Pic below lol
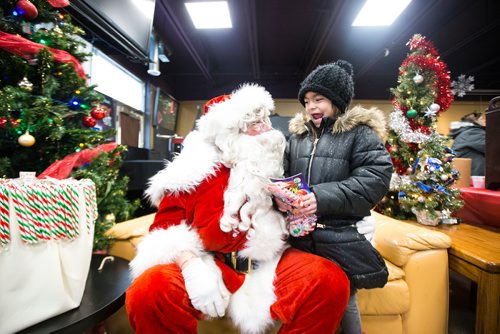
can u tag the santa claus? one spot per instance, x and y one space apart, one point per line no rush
217 246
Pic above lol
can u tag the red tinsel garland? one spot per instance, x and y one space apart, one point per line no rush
442 86
396 104
26 49
420 42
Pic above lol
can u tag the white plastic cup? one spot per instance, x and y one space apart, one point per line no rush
477 181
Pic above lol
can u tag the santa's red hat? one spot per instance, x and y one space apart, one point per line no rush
215 100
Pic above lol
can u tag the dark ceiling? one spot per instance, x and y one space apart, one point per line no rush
276 42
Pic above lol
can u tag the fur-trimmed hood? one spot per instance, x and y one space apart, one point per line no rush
373 117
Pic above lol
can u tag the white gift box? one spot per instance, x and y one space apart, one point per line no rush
46 237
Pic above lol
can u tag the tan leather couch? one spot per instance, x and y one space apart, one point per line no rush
414 301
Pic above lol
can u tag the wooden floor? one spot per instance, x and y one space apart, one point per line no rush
462 314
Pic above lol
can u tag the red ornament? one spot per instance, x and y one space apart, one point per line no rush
3 122
58 3
15 122
89 121
27 9
98 113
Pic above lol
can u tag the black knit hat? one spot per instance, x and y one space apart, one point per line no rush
333 81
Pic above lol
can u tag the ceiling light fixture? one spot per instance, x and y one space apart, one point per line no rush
154 62
380 12
209 14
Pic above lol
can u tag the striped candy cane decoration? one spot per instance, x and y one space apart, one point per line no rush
90 202
4 215
57 211
94 201
27 228
49 197
69 209
45 210
73 194
35 206
39 196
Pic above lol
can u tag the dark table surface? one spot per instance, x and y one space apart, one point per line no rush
104 294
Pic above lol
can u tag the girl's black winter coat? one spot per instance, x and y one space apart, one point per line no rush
348 168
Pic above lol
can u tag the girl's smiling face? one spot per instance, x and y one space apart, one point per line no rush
318 107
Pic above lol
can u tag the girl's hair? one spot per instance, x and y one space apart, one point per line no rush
472 117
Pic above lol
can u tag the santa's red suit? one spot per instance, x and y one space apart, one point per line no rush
212 203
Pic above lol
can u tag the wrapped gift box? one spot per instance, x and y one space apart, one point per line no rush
46 237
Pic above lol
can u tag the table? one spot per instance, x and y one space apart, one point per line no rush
481 206
475 254
104 294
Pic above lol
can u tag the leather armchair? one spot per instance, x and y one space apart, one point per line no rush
414 301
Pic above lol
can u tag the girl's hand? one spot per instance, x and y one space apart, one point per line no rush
309 205
282 206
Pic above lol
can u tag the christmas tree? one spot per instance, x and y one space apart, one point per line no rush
421 185
48 110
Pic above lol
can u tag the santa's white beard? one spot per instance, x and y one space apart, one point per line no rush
262 154
253 160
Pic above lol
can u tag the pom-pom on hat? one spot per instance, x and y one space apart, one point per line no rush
333 81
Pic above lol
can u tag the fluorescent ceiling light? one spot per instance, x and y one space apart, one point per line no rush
209 15
146 7
380 12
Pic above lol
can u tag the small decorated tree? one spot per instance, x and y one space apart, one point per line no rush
48 110
421 185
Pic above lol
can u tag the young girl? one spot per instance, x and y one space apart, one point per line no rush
342 156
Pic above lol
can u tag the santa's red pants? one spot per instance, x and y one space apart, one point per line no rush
311 292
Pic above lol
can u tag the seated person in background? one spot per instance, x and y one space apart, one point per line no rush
469 137
217 246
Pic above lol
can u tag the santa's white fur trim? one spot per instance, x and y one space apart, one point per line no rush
198 160
249 308
247 104
163 246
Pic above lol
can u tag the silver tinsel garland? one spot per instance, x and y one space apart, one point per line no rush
399 180
399 123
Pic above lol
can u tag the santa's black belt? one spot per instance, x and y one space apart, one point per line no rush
240 264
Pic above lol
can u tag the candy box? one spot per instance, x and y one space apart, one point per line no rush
290 190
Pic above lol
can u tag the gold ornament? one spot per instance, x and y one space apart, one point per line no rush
110 218
57 31
26 140
25 84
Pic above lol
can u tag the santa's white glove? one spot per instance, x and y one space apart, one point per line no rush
366 227
205 288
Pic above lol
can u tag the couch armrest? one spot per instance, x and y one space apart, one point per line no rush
128 234
133 228
397 241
